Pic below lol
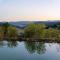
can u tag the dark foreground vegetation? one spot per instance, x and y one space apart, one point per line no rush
32 32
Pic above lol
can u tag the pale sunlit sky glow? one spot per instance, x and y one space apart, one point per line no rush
21 10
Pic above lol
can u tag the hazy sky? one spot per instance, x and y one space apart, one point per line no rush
14 10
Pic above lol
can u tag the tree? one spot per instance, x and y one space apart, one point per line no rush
34 30
12 32
5 27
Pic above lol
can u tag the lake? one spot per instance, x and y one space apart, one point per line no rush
15 50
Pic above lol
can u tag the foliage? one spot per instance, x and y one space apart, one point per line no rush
38 31
52 33
12 32
7 31
33 30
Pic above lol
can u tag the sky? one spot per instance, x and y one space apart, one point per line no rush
29 10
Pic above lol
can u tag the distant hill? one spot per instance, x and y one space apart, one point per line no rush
1 23
23 24
46 22
49 24
20 24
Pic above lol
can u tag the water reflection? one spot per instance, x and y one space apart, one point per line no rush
2 43
10 44
33 47
58 47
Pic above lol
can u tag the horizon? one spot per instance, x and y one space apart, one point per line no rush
34 21
29 10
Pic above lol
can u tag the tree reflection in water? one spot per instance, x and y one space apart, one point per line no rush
33 47
10 44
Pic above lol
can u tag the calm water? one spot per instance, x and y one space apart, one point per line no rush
14 50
